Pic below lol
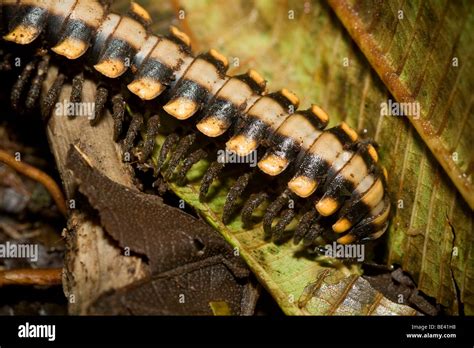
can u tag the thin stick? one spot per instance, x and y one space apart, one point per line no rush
37 175
27 276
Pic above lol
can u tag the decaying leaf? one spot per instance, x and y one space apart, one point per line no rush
399 287
185 254
194 289
346 295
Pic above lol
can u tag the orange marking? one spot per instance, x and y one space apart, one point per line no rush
22 34
291 97
320 113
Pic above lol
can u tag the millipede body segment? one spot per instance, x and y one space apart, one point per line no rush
333 176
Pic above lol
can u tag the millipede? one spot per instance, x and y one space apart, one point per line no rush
327 181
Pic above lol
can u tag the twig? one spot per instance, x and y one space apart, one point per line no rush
37 175
27 276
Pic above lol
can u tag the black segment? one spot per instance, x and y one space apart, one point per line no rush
156 71
30 17
190 90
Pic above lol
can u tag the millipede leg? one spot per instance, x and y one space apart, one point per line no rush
100 100
170 141
118 115
160 185
52 97
36 84
252 203
286 217
235 192
76 92
304 225
152 127
314 232
132 132
20 84
5 64
181 150
192 159
273 210
211 174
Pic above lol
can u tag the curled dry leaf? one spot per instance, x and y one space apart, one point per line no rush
185 254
